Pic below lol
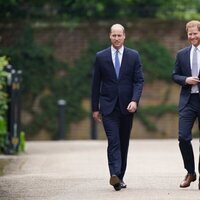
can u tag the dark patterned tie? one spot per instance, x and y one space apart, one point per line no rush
195 71
117 63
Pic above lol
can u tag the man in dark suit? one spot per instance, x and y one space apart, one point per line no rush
116 90
186 74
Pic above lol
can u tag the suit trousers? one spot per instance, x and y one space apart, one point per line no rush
187 117
117 127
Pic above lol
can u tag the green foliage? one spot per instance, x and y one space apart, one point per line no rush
83 70
182 9
3 100
156 59
35 61
154 111
22 143
2 127
3 95
40 75
159 110
46 80
99 9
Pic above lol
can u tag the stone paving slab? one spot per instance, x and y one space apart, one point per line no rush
66 170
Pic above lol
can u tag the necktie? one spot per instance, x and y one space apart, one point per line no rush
195 71
117 64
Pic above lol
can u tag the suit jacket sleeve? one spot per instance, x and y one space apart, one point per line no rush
178 76
96 84
138 80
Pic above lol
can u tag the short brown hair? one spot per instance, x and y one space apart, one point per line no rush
193 23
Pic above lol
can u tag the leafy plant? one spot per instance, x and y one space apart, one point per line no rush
3 95
3 100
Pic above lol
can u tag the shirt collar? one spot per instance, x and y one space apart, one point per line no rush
198 47
121 50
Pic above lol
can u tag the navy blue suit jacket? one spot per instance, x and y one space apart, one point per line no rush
107 89
181 72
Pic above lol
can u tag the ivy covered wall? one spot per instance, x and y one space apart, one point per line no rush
56 63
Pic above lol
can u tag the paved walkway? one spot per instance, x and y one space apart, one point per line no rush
77 170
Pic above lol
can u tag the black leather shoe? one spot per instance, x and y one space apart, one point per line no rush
123 185
115 182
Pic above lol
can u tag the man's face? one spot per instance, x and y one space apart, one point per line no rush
193 36
117 37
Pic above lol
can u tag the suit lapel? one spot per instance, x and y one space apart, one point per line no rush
111 64
187 60
123 64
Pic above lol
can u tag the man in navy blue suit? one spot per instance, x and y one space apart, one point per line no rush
186 74
116 89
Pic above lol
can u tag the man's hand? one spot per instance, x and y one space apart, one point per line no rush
192 80
132 106
97 116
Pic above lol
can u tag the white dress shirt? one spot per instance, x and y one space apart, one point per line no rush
198 56
198 64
